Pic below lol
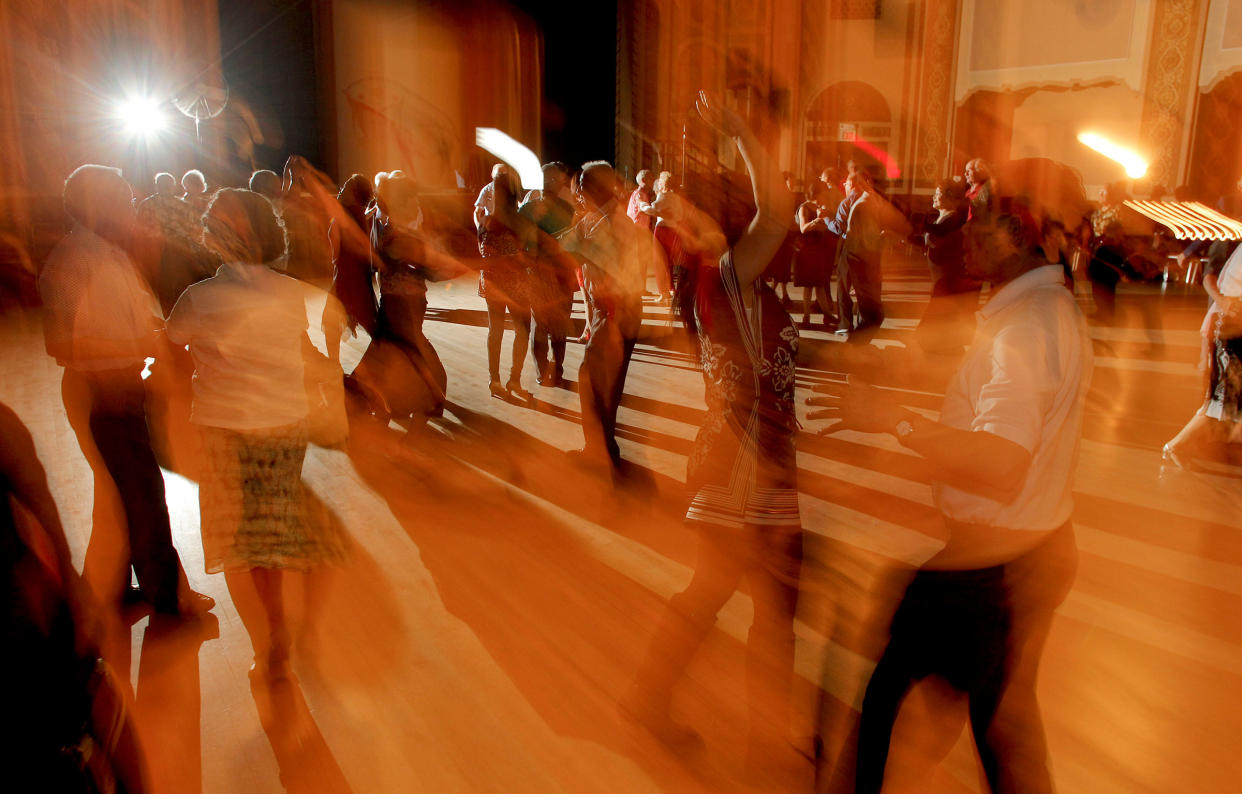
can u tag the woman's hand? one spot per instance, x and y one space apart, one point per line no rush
712 110
861 407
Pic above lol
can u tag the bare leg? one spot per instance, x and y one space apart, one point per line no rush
687 619
1195 440
521 340
260 603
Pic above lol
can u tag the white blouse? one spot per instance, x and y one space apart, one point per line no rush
245 327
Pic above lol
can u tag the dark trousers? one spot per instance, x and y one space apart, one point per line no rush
601 378
108 414
1104 293
551 327
862 274
982 631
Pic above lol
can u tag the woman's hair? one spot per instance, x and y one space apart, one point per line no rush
354 197
242 226
664 182
1115 193
953 190
981 168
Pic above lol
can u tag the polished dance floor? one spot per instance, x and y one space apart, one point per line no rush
497 599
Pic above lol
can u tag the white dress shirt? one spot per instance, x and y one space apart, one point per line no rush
1024 379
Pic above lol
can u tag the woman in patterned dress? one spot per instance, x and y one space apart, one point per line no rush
246 330
505 237
742 474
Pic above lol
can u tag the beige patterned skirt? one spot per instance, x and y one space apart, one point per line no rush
253 506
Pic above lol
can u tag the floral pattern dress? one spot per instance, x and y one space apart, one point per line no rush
743 468
505 275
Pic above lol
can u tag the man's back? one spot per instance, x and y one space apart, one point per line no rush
93 295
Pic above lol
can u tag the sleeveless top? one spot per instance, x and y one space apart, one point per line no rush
743 468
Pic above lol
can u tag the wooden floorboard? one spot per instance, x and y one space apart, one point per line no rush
496 599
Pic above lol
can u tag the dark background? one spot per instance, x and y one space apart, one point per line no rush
269 61
580 77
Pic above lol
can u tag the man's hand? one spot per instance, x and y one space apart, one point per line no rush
861 407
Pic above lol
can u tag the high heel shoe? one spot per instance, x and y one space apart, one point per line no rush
515 388
498 391
1168 454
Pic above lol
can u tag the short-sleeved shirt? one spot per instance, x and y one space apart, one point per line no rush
91 291
245 327
613 246
743 467
1024 379
634 209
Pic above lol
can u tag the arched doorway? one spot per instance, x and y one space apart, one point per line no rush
849 120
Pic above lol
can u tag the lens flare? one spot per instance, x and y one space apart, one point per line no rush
1136 167
523 160
141 117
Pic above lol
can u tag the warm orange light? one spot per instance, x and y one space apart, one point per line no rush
522 159
1135 166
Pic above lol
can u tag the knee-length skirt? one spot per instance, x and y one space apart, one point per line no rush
253 506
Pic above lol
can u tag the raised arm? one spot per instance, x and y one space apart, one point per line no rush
773 204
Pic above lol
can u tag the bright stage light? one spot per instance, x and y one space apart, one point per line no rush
523 160
141 117
1136 167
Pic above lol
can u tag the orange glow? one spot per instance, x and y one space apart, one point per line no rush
1136 166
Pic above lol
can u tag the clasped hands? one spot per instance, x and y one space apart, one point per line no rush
860 407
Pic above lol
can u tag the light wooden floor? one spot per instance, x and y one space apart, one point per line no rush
497 600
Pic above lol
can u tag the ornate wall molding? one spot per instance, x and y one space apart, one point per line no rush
1167 88
1222 43
935 92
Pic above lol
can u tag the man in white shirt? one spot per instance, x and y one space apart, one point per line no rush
613 249
1004 453
101 321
